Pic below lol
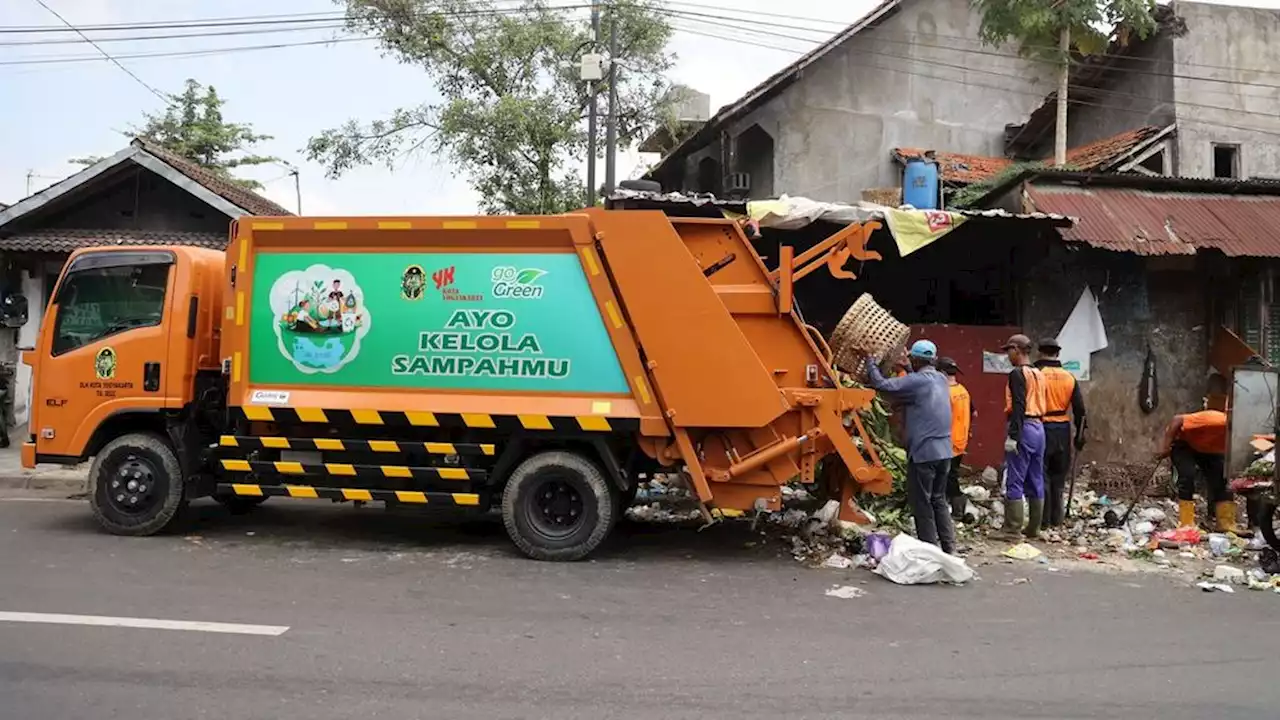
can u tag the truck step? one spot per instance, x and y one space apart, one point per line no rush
357 494
281 467
474 421
338 445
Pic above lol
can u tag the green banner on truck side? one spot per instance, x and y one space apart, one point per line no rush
473 321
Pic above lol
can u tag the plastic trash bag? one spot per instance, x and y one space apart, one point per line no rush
911 562
877 545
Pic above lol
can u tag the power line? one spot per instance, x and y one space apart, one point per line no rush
1030 93
184 53
988 53
139 38
164 98
995 73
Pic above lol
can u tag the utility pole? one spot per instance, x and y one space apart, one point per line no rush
591 116
297 189
611 133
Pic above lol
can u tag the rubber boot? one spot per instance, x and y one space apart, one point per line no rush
1225 512
958 505
1186 513
1035 513
1013 518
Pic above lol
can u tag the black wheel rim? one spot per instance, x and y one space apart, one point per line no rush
556 508
133 487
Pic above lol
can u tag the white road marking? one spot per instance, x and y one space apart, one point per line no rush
144 623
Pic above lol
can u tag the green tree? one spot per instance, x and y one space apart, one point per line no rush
1048 30
193 127
511 108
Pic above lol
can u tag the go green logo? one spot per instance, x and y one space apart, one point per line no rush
508 282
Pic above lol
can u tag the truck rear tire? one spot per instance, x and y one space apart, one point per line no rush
558 506
239 504
137 485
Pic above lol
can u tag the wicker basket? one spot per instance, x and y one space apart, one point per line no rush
866 330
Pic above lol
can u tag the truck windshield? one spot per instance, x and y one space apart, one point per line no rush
99 302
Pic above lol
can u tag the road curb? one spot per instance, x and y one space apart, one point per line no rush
36 481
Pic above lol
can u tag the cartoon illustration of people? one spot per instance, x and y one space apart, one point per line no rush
302 320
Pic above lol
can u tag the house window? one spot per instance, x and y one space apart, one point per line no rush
1155 163
1226 161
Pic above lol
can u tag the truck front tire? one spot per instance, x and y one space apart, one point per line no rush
137 485
558 506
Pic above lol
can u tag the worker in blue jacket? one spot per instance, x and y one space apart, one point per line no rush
925 399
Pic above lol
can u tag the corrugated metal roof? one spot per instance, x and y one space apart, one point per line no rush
1148 222
66 240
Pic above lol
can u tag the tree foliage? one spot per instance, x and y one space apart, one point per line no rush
1036 25
193 127
511 112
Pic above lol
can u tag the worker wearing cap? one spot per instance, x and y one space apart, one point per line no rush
962 414
1024 403
926 403
1065 402
1197 444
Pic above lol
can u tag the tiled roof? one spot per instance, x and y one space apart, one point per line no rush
957 168
64 241
1099 155
1150 222
250 201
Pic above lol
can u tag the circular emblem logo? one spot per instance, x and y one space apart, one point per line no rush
320 317
413 283
104 364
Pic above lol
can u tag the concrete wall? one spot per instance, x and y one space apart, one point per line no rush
1161 301
1222 43
907 83
1140 93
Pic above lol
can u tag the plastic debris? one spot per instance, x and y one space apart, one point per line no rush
1153 515
837 562
1181 535
1144 528
1211 587
1023 551
846 592
911 562
977 493
1090 556
1219 544
1226 573
878 545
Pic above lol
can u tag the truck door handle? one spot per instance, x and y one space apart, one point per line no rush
151 377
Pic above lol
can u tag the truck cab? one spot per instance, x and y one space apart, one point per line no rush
126 335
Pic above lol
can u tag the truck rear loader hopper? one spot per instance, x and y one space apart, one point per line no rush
536 363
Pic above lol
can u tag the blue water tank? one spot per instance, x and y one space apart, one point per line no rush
920 186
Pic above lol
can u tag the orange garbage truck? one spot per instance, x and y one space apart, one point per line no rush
535 365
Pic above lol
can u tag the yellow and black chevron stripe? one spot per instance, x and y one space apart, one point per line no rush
342 445
308 491
281 467
474 421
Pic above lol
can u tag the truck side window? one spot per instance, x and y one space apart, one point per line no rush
100 302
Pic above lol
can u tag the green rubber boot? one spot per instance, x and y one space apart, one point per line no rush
1035 513
1013 518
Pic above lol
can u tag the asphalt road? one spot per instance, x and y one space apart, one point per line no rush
419 617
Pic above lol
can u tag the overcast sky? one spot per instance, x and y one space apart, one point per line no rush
53 112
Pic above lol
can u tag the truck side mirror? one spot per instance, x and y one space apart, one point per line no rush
13 311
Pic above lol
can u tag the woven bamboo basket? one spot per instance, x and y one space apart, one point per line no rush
866 330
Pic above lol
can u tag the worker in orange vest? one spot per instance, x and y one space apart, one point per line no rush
1024 404
962 415
1197 444
1066 402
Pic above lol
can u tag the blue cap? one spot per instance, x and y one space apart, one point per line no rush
924 349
